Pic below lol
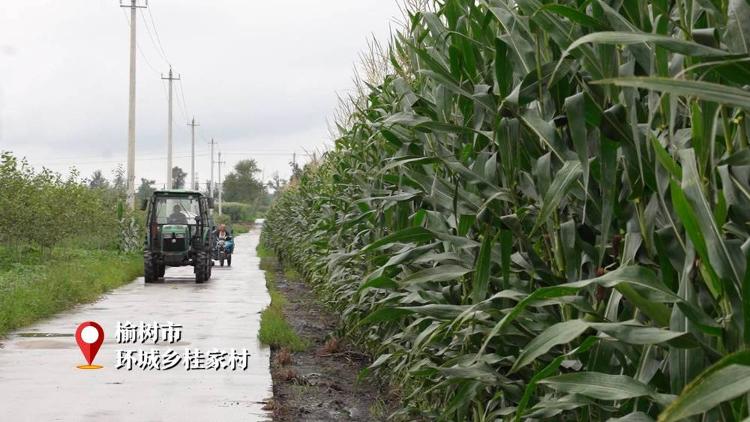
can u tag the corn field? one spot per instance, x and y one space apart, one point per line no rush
540 211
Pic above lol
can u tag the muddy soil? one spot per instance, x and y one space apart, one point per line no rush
320 384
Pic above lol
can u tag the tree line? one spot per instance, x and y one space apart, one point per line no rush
44 209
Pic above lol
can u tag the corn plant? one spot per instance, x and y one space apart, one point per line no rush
541 212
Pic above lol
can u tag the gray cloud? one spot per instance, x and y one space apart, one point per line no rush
261 77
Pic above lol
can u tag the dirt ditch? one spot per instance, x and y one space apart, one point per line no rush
320 383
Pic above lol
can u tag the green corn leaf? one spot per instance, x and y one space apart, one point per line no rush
436 274
482 269
722 258
563 181
560 333
575 15
707 91
602 386
633 417
411 234
725 380
576 112
676 45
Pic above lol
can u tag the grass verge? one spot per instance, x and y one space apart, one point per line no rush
275 331
241 228
33 290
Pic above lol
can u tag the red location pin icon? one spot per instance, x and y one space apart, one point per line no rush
89 336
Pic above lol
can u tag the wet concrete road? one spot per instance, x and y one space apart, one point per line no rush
39 380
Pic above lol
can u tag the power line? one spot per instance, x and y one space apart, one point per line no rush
153 42
138 45
205 153
268 153
181 94
156 32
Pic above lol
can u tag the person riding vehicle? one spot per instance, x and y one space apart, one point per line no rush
223 245
221 232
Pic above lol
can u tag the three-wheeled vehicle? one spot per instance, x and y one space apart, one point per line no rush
178 233
223 250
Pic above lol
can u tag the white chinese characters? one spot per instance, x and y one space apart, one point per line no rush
164 359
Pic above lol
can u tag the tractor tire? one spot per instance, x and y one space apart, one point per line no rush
201 267
162 270
229 260
150 272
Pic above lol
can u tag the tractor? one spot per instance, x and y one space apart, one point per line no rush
178 233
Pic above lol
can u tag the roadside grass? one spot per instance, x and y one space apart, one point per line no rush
240 228
379 410
274 330
291 274
33 288
265 253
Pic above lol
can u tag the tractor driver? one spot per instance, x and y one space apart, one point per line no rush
177 217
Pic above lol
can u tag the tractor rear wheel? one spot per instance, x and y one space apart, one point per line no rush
150 273
162 270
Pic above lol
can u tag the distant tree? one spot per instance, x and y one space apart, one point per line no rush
178 178
98 181
276 183
119 183
241 185
296 170
146 188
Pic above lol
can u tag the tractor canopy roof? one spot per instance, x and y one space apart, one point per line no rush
178 192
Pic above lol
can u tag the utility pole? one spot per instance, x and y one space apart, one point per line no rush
221 186
211 178
192 154
131 105
170 78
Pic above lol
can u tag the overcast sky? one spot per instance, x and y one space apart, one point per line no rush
261 77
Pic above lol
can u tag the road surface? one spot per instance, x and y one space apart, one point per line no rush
40 381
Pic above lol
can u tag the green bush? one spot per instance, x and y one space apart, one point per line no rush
43 209
541 212
238 212
61 242
222 219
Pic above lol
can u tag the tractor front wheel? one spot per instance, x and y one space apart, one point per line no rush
202 267
150 270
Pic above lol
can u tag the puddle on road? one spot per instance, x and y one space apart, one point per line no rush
45 344
44 335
